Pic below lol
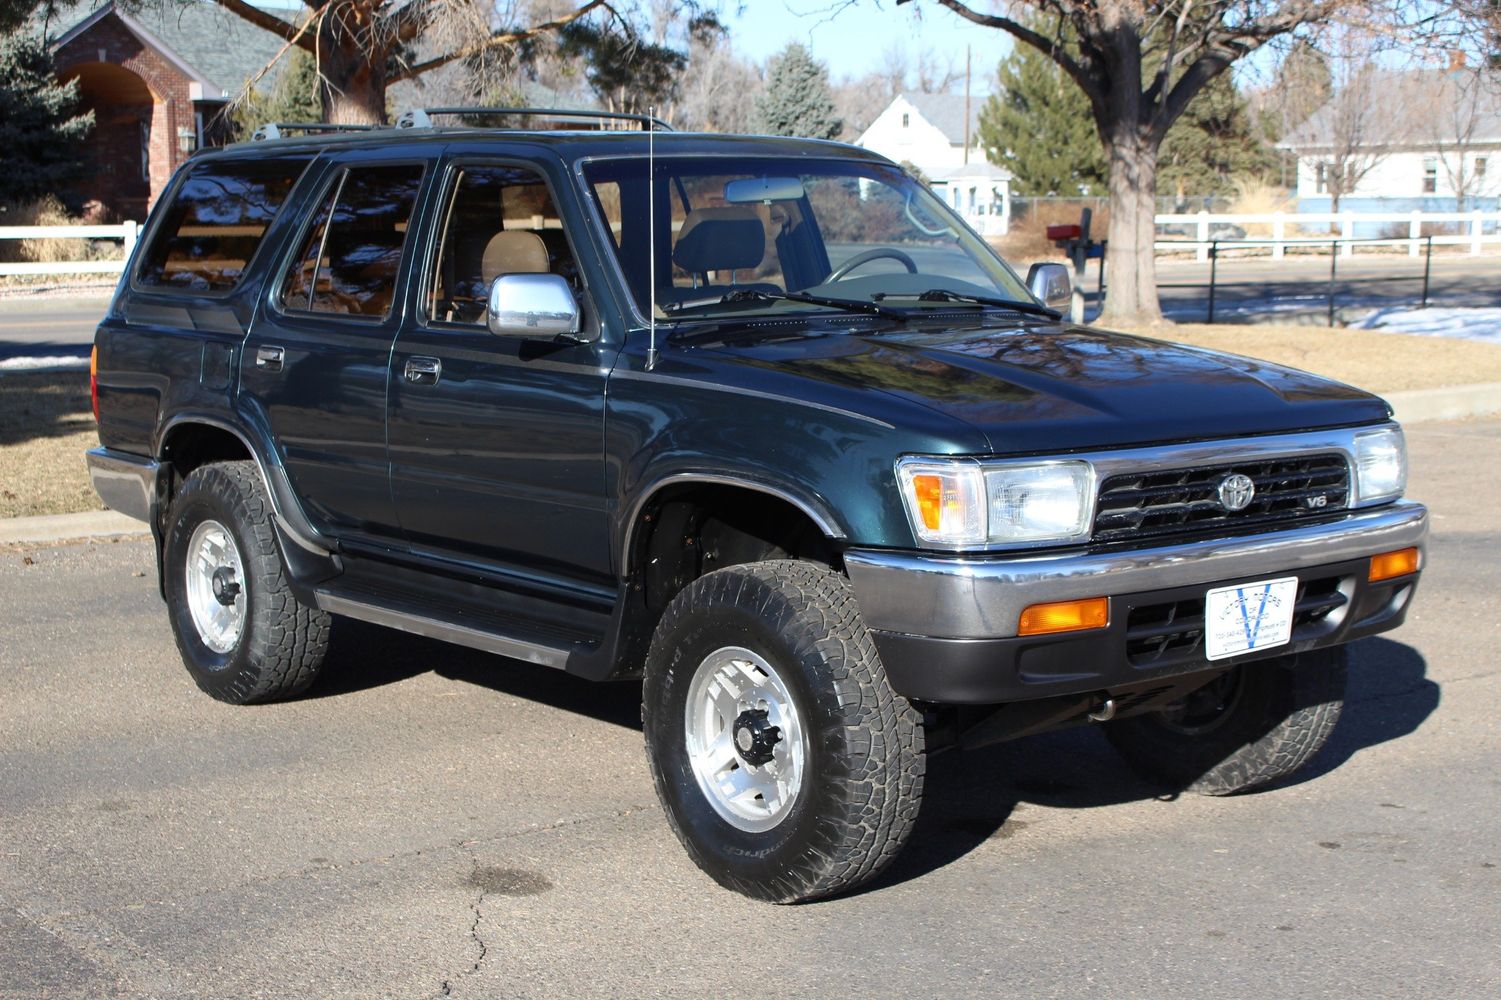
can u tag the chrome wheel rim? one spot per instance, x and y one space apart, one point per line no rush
215 586
750 776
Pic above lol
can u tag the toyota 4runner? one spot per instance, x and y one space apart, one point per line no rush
759 421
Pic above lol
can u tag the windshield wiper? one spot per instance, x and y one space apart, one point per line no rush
944 295
757 295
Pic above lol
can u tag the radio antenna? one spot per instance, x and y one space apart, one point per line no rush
651 236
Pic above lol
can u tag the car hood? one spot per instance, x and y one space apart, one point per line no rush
1054 387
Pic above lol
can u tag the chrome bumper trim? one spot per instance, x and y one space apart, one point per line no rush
126 483
981 598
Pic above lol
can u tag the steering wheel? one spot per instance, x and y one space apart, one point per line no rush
865 258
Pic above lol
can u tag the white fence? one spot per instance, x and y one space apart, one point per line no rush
1288 230
1296 229
126 232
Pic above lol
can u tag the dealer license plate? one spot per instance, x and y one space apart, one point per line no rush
1248 617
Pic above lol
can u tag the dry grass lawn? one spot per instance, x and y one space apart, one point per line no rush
45 424
45 427
1380 362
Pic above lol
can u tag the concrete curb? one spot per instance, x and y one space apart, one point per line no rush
67 527
1416 406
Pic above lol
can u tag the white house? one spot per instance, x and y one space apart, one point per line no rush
1428 140
930 132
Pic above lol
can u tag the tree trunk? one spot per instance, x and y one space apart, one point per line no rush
1131 260
353 92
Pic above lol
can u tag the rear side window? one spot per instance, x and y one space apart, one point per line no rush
215 223
349 260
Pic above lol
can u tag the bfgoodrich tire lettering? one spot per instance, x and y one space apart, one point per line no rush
1275 717
279 644
862 769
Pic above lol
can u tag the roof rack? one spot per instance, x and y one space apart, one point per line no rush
423 117
279 130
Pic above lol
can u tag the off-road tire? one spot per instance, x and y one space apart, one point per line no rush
1281 717
864 759
282 643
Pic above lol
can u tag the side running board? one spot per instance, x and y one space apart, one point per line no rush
433 628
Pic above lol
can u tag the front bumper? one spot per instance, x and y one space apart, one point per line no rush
125 482
946 627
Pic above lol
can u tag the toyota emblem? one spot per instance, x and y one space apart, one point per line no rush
1236 491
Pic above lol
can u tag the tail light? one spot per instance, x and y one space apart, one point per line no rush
94 381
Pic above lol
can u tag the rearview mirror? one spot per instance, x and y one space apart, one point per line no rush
532 305
754 190
1049 284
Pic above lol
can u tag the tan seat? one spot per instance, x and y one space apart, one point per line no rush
514 252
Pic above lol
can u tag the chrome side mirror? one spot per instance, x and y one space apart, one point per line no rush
1049 284
532 305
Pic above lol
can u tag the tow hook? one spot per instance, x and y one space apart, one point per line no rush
1105 712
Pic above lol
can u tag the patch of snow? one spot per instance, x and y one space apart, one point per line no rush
62 362
1468 324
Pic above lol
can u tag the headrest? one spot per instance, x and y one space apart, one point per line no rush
720 239
514 252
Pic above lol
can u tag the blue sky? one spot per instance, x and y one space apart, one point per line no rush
852 38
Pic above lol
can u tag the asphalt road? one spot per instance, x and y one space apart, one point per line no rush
431 820
62 327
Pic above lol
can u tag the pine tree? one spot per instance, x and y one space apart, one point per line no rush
1213 143
797 99
1039 127
41 131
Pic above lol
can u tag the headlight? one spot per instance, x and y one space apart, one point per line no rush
959 503
1380 466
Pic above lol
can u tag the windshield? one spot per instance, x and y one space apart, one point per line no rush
832 229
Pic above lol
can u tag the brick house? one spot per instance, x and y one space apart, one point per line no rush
157 82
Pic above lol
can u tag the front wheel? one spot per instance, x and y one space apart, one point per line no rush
785 763
1248 727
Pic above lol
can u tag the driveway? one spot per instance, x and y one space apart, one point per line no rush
432 821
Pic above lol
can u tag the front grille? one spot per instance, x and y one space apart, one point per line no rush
1159 634
1150 505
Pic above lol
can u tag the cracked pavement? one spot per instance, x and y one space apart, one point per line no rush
435 822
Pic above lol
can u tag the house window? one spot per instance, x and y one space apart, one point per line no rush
1430 174
1321 178
906 119
1479 168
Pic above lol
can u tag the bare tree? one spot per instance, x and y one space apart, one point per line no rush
717 91
1355 132
361 47
1140 63
1460 105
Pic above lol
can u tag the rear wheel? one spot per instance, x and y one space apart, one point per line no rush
785 763
1248 727
243 635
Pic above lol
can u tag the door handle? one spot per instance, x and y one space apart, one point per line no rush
424 371
269 359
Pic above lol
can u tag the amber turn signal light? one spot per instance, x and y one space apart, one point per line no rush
1390 564
1064 616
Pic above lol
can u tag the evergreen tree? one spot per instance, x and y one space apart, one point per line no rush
1040 128
41 132
1211 144
797 99
292 98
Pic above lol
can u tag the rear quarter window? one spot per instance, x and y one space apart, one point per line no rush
216 222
